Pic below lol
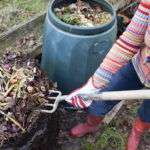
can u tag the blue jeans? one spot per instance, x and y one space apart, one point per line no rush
125 79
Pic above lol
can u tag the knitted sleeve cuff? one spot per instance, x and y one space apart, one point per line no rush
101 78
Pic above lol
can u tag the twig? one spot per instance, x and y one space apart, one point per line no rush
5 72
8 91
14 121
128 6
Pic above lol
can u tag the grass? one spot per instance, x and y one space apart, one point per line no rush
133 111
111 137
33 6
13 12
136 105
115 135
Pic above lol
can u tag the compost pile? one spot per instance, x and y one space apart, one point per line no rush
24 88
82 14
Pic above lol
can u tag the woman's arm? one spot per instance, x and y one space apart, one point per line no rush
122 51
125 47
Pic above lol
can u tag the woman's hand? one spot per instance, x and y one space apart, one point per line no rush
75 98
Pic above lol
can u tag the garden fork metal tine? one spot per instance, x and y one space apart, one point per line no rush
56 99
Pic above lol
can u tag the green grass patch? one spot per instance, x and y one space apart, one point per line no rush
134 110
14 12
135 105
111 137
33 6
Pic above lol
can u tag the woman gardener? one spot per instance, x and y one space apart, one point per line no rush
126 67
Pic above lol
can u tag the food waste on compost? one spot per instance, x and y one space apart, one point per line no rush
82 14
24 88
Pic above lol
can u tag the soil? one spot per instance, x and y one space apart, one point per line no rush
42 136
123 121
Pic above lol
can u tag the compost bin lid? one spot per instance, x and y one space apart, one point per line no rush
82 30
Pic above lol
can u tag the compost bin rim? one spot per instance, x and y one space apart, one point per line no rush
82 30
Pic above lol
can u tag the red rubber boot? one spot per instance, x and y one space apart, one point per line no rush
92 125
136 133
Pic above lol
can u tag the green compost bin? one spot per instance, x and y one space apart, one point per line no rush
71 54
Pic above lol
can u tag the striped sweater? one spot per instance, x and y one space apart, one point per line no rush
133 44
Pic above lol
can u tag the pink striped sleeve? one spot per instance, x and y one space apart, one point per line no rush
125 47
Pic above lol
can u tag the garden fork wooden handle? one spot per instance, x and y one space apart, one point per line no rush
120 95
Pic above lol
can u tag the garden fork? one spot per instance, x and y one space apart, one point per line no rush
57 99
114 95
